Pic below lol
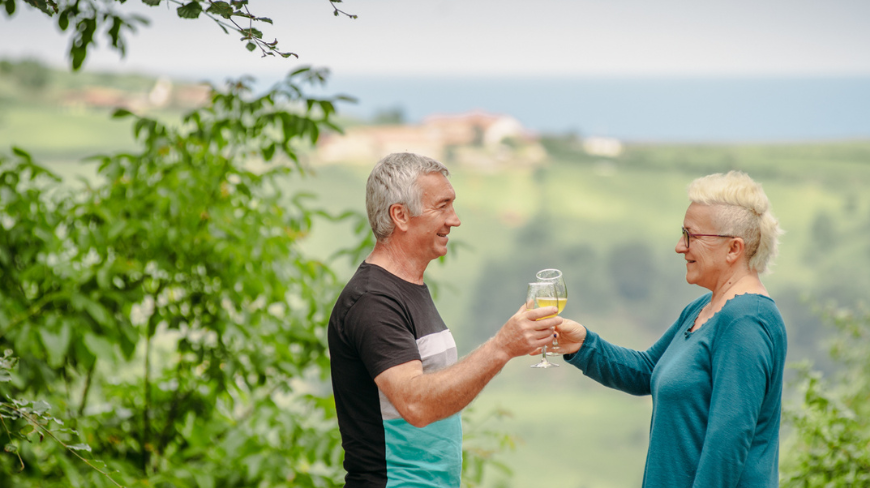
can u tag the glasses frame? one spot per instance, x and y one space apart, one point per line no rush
687 235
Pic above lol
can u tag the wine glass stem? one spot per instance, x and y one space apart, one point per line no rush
544 353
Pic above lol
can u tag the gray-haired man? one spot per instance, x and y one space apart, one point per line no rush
397 382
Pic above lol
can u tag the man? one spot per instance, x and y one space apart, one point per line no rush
398 386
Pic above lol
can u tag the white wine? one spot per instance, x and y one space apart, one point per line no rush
551 302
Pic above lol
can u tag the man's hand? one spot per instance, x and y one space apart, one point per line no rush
524 333
571 336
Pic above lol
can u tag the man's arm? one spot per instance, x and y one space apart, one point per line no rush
423 398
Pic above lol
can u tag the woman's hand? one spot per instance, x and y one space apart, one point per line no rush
571 336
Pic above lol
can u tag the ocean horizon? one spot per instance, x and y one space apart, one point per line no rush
636 109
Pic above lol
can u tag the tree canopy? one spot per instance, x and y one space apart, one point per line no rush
85 20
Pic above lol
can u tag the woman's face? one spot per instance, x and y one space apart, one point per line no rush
705 256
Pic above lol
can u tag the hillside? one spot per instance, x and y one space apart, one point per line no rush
609 222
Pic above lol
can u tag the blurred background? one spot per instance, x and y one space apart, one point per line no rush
571 130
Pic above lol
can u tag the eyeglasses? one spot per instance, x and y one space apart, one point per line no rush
687 235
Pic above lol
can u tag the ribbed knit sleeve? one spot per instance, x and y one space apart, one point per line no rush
618 367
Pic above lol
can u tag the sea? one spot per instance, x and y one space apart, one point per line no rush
632 109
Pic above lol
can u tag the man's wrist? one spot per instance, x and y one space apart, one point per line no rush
495 351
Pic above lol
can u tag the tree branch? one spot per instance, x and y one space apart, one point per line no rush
9 434
338 11
87 388
41 427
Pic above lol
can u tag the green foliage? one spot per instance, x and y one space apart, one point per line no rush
24 419
482 445
92 17
830 442
168 309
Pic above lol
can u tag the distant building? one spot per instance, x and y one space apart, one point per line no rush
476 139
602 146
162 95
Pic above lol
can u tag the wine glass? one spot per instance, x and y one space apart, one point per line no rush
559 300
541 294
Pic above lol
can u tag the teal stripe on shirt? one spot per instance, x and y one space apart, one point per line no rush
430 456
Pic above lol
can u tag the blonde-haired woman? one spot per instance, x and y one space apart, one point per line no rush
715 376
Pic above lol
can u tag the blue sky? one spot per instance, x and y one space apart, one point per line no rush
495 38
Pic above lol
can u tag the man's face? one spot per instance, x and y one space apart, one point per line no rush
428 231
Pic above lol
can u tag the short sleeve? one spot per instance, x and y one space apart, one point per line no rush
380 330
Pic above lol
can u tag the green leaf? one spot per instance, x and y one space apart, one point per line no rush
98 312
152 3
27 429
269 151
250 46
47 6
56 344
78 54
63 20
10 7
223 9
21 153
203 479
12 448
190 10
99 346
79 447
121 113
40 407
252 33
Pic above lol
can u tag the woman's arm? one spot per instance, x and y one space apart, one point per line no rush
743 363
613 366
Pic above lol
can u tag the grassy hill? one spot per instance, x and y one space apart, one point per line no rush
610 224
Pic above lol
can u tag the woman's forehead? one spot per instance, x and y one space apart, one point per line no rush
698 216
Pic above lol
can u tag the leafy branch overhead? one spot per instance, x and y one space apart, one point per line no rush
89 18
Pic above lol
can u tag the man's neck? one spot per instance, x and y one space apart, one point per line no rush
398 262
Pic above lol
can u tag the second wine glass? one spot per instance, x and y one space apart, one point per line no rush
559 298
540 294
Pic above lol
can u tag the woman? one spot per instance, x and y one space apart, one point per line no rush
715 376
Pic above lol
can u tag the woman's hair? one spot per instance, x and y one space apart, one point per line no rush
394 180
743 210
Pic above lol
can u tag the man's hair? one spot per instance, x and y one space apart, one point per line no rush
742 210
394 180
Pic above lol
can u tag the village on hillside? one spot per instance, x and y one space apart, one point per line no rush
475 139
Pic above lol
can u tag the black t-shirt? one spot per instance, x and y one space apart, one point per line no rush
380 321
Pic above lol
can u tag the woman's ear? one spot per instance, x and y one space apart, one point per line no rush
736 250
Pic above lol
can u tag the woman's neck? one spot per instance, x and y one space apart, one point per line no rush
745 281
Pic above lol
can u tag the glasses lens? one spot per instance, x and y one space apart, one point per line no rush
686 237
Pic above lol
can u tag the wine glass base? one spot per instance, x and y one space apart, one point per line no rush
544 364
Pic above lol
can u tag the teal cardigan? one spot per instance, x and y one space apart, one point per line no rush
716 394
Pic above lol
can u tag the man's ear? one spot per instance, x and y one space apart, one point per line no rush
736 249
400 216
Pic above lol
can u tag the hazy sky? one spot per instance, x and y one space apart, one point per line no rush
494 37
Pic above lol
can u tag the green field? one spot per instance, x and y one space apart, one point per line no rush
610 225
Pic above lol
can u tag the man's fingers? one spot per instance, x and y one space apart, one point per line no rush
550 323
539 313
